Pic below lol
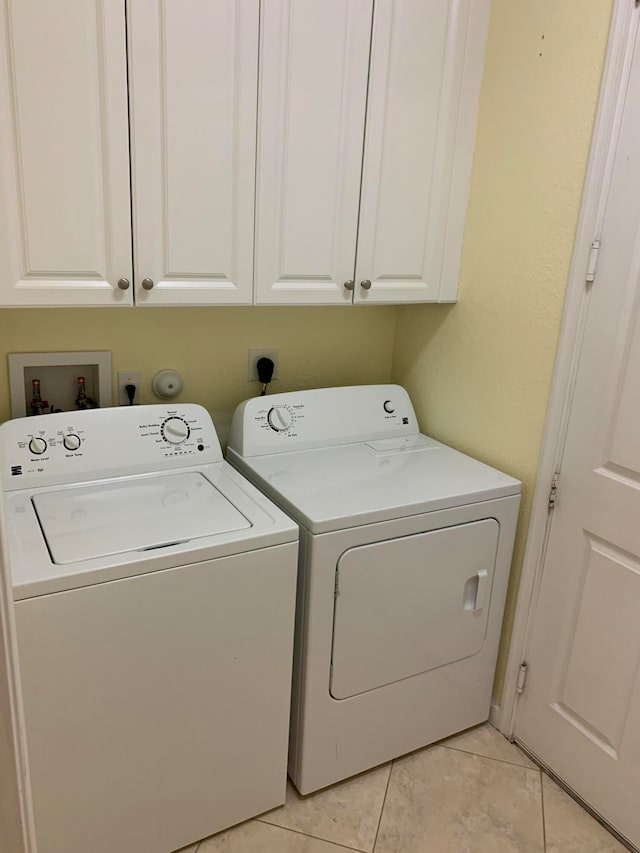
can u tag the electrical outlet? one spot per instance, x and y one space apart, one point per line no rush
128 377
255 355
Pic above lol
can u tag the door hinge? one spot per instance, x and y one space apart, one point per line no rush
553 491
522 677
593 260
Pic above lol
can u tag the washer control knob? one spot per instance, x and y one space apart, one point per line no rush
388 407
71 441
175 430
37 446
279 418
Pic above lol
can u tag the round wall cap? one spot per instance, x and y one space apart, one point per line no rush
167 384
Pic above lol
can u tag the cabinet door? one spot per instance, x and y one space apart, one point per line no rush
313 82
193 83
65 233
426 69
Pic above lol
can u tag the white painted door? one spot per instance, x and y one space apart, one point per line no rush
193 83
65 234
314 59
580 712
426 68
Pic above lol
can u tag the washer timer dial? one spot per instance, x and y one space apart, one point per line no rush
175 430
279 418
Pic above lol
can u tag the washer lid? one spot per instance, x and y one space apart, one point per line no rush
138 514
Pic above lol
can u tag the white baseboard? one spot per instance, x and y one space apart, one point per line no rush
495 715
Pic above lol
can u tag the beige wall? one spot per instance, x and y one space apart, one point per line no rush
318 346
479 372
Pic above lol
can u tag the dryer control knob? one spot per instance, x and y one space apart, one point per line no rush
71 441
279 418
37 446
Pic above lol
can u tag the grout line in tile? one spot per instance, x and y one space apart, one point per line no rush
308 835
544 822
384 802
488 757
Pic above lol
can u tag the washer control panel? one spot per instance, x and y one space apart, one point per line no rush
76 446
306 419
175 430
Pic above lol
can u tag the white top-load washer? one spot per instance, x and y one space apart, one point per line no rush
405 547
153 615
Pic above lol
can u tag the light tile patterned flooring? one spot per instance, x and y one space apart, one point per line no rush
474 793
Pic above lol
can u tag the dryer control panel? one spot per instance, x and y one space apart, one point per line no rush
77 446
305 419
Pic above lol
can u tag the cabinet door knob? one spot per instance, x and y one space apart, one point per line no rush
365 284
123 283
350 284
147 283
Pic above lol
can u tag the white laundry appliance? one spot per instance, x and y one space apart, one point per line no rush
153 618
405 548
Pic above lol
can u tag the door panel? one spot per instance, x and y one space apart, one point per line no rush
65 236
592 691
193 81
313 89
426 68
409 605
580 712
624 450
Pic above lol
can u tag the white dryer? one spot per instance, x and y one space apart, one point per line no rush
405 548
154 600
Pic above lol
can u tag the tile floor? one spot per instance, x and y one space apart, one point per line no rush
473 793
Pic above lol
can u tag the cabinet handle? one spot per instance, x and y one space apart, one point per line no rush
350 284
123 283
366 284
147 283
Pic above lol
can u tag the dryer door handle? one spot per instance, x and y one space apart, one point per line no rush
475 592
481 590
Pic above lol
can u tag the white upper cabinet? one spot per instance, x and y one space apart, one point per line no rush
424 85
314 63
193 85
65 236
408 172
280 152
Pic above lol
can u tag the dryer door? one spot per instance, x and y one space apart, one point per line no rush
408 605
